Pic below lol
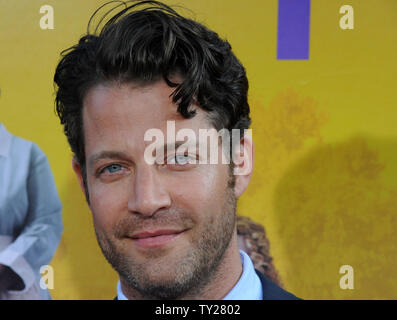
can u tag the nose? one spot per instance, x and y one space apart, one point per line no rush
149 194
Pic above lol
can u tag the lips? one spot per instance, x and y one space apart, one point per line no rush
152 239
156 233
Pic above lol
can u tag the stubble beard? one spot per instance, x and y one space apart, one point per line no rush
192 272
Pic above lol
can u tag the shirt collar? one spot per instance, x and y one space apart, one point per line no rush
5 141
248 287
120 294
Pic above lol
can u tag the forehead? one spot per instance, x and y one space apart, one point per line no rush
118 115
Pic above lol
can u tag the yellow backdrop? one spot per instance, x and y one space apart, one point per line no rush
325 133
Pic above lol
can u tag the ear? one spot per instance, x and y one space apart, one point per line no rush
243 158
78 171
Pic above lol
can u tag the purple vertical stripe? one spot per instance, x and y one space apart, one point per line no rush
293 29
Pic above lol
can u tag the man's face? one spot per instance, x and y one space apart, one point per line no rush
163 227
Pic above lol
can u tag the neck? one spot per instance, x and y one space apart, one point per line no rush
222 282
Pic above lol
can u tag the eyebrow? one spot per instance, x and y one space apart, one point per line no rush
107 155
177 144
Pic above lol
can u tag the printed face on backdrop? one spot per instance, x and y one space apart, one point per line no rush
163 227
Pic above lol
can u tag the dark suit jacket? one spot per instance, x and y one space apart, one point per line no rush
271 291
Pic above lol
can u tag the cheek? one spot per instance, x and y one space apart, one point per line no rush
203 192
107 203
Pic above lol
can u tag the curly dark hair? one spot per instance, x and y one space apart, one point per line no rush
144 42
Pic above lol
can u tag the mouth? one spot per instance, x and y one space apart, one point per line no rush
154 239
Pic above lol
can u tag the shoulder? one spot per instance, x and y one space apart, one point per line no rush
16 143
272 291
12 145
20 147
26 156
17 147
26 148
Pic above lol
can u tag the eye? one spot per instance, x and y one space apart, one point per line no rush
113 168
181 159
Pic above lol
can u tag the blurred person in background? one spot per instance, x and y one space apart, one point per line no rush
30 218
